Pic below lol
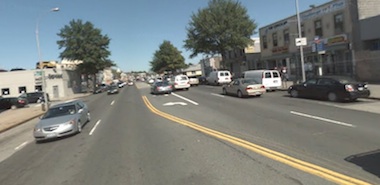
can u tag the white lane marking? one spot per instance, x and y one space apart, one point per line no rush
22 145
322 119
93 129
174 103
112 102
191 101
217 95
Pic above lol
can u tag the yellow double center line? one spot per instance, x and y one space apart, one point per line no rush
296 163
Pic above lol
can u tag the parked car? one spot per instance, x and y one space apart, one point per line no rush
61 120
130 83
98 90
13 102
161 88
35 97
332 88
219 77
244 87
271 79
113 89
180 82
194 81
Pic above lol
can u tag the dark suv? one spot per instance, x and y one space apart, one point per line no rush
35 97
13 102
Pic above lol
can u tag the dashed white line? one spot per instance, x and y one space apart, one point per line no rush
322 119
186 99
93 129
217 95
112 102
22 145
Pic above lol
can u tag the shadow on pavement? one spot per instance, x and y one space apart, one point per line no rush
369 161
342 102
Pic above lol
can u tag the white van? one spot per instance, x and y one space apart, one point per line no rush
271 79
219 77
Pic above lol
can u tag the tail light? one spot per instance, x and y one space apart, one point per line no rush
21 101
248 88
175 83
349 88
262 87
158 88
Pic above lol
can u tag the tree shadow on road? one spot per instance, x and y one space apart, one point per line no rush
368 161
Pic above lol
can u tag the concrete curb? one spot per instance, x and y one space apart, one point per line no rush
20 123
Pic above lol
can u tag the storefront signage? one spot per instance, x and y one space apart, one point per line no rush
283 49
320 11
276 26
55 76
339 39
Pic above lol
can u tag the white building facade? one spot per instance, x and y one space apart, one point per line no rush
60 83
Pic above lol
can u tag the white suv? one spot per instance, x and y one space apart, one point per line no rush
181 82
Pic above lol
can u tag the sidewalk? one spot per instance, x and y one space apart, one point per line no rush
374 88
12 118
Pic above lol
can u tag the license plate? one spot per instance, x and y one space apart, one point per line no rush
361 88
275 81
51 135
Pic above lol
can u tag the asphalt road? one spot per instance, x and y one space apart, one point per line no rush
138 138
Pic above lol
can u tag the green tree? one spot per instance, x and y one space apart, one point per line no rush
222 26
167 58
82 41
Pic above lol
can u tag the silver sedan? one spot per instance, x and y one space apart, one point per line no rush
244 87
61 120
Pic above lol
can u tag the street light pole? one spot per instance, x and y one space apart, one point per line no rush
45 105
301 47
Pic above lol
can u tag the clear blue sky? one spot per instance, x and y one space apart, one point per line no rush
136 27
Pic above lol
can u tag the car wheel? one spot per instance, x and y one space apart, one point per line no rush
332 97
88 117
79 125
239 94
187 89
13 107
224 91
294 93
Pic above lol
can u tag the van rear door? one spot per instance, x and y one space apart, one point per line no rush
272 80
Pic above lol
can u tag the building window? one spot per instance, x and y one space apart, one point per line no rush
265 44
274 37
338 23
5 91
22 89
38 88
286 37
303 30
318 28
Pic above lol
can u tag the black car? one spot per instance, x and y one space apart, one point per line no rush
13 102
35 97
332 88
113 89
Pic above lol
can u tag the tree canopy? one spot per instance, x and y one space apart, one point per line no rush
167 58
82 41
222 26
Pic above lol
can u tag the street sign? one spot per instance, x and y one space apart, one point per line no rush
301 41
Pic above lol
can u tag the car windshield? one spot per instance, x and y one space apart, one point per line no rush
345 80
60 111
164 83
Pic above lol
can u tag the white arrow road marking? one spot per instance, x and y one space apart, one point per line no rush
93 129
22 145
322 119
191 101
112 102
217 95
174 103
